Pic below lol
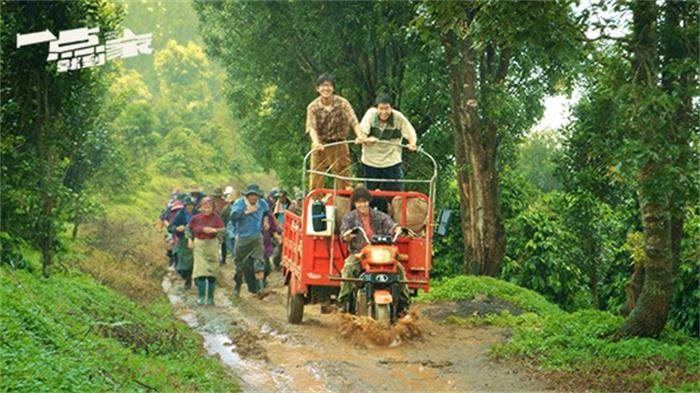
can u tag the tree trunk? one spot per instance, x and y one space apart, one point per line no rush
633 288
649 315
76 223
487 234
477 179
593 285
46 158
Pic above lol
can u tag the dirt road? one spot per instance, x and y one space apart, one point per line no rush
252 336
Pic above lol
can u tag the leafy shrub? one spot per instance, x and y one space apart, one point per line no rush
448 250
540 255
466 287
10 252
685 306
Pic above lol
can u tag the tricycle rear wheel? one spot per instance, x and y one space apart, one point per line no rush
361 303
295 306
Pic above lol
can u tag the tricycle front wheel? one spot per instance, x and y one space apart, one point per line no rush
382 314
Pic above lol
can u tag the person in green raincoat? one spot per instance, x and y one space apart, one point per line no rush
177 228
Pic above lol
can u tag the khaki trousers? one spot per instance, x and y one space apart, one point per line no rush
334 159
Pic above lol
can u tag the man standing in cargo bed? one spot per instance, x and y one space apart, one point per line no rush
327 120
384 128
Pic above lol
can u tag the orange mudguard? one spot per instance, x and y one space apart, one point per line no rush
382 296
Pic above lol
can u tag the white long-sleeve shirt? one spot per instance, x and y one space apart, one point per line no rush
380 155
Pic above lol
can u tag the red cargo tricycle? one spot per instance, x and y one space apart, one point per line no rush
313 255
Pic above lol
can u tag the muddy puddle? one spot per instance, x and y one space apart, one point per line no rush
215 331
338 352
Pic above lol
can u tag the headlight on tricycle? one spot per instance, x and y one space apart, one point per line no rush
381 255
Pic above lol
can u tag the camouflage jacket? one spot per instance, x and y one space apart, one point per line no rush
380 223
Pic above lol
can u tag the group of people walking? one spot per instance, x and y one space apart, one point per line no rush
203 230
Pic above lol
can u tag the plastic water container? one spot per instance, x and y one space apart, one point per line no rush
319 219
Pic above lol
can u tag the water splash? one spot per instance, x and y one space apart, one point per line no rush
364 330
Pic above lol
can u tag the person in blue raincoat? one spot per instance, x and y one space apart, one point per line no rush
246 214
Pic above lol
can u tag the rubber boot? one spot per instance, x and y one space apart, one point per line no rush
210 290
344 304
199 281
260 283
237 282
188 279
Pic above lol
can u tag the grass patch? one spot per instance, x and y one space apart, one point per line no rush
572 350
68 333
468 287
125 256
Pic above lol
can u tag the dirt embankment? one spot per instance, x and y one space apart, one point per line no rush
328 352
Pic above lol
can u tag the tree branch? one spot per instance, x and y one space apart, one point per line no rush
602 37
503 64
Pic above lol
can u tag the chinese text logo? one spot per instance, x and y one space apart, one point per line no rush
80 48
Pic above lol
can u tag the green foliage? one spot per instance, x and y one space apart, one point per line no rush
466 287
539 254
166 20
538 155
186 86
498 74
685 306
174 132
10 253
626 127
197 137
448 250
69 333
183 153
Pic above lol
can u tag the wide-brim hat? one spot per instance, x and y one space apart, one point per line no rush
217 192
177 205
253 189
188 201
228 190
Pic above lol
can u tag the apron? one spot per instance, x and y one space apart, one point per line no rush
206 258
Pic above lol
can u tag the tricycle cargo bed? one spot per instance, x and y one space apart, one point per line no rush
312 259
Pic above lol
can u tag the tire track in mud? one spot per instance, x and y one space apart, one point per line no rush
253 338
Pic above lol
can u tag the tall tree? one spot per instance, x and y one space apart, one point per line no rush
602 209
664 58
501 58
